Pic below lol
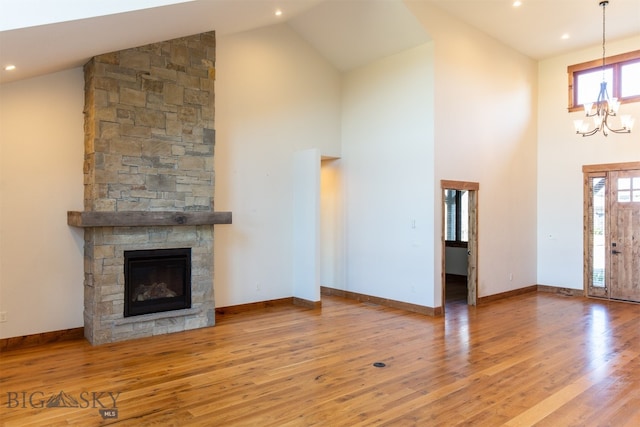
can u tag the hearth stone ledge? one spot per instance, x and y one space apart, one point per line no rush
88 219
157 316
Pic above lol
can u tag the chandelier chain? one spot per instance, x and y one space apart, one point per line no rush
604 8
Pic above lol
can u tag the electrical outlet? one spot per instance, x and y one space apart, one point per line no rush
3 316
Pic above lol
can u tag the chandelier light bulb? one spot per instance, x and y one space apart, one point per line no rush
597 121
580 125
627 121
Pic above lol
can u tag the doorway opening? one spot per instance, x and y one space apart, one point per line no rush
459 242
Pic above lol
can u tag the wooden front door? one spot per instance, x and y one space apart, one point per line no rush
625 235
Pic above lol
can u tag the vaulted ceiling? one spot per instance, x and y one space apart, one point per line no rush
42 37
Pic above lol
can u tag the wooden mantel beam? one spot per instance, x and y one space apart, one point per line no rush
144 218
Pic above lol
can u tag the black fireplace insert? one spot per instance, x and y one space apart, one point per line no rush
156 280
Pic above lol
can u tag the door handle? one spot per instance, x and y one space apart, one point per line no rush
615 252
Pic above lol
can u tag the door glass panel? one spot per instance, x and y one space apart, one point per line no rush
624 183
598 241
624 196
635 185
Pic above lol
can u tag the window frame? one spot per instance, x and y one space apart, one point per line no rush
615 62
458 243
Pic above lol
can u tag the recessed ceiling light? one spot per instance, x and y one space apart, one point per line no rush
10 67
517 3
565 36
278 12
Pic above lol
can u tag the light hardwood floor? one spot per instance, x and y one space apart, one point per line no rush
532 359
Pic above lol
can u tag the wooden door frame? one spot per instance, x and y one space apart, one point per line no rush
472 276
589 171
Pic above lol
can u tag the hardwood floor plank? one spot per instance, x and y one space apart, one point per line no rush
537 358
570 391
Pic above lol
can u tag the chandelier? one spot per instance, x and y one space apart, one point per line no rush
604 107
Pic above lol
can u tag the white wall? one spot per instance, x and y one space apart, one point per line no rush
306 225
456 261
274 96
387 163
41 157
561 155
485 132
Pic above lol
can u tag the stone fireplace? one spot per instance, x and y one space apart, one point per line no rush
149 180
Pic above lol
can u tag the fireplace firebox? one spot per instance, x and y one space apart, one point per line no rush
157 280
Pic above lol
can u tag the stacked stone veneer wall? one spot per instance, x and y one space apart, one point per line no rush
149 146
